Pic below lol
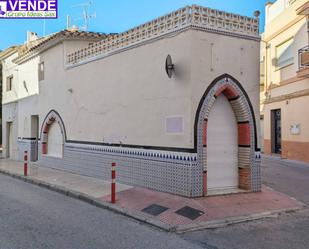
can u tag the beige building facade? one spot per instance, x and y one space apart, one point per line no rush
93 103
285 79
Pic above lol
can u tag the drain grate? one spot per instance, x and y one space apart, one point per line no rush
154 209
190 213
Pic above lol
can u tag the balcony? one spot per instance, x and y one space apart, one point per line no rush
303 62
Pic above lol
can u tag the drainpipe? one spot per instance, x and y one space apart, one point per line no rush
266 65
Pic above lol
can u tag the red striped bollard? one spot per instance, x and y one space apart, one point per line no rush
26 163
113 194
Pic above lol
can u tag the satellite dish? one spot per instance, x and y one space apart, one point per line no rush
169 66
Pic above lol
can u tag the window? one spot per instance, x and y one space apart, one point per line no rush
291 2
9 83
284 54
41 71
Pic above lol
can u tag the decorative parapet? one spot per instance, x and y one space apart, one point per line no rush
188 17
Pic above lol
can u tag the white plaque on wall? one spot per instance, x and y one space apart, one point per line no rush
174 125
295 129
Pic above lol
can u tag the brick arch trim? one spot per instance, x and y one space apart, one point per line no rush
201 103
247 134
52 117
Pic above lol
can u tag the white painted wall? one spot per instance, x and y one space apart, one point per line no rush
28 80
10 115
214 55
123 97
127 97
8 69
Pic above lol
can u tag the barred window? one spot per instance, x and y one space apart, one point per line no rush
9 83
41 71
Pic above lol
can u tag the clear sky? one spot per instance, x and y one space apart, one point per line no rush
115 16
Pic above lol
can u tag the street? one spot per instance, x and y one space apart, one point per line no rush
33 217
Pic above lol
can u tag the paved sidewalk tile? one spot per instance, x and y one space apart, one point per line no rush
214 207
87 185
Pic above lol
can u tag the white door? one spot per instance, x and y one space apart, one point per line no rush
222 148
54 141
10 140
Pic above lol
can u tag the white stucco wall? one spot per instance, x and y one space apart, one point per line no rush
9 69
123 97
214 55
127 97
28 80
10 115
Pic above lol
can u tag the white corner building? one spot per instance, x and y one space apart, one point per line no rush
77 101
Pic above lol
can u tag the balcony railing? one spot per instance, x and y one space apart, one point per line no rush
195 16
303 58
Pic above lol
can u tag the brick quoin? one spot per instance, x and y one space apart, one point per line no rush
228 91
245 179
44 144
205 183
44 148
45 129
205 133
244 134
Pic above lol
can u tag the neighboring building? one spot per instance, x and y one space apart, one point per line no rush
22 71
285 79
193 134
1 106
1 80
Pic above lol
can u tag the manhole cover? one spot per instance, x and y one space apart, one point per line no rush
154 209
190 213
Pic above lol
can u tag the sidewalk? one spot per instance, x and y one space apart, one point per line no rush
166 211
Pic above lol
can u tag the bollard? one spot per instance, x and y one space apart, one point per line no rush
26 163
113 189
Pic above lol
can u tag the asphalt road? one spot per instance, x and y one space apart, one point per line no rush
288 231
33 218
290 177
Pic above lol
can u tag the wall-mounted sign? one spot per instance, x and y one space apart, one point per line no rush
174 125
295 129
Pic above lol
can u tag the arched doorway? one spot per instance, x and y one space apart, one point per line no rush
222 148
53 135
226 100
54 141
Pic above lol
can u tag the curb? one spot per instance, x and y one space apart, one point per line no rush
234 220
143 218
138 216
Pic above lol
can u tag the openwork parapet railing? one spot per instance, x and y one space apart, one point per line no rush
303 58
195 16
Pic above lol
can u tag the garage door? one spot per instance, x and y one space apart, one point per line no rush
54 141
222 148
